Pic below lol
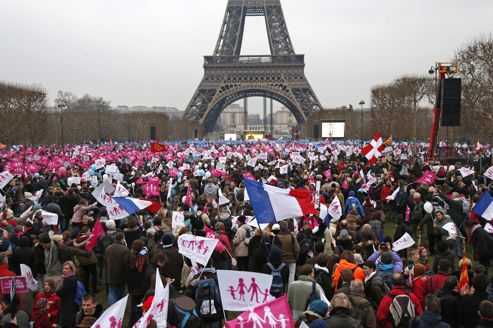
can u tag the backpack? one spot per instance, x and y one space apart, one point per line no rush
80 292
402 310
187 318
314 295
277 287
207 299
324 279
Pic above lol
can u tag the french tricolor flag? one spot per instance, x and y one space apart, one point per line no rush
132 205
484 208
271 204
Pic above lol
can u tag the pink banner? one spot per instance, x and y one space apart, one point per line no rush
274 314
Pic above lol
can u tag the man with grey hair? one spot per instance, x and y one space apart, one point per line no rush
361 307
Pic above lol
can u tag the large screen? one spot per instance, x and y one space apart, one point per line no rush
333 129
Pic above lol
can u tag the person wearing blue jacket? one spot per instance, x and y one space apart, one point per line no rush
353 202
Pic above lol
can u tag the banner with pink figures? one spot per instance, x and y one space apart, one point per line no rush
274 314
243 290
198 249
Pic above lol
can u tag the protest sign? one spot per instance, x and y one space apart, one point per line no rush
274 314
198 249
402 243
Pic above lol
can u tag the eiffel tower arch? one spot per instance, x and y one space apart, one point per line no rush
229 76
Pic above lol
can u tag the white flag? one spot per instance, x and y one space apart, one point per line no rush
26 272
242 290
159 306
2 200
120 191
5 178
198 249
115 212
335 209
113 316
222 199
404 242
394 194
451 229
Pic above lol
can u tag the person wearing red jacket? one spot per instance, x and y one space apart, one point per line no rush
4 267
384 316
437 281
420 282
46 306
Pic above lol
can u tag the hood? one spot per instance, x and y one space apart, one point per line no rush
343 265
430 319
275 256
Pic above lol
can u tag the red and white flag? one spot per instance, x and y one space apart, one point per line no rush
113 316
242 290
274 314
159 306
374 149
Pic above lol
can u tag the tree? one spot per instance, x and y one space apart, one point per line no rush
22 113
476 69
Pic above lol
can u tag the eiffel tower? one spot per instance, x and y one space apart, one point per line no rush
229 77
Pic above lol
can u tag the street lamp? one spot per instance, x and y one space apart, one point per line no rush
361 104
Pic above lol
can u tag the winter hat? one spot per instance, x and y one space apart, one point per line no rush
386 258
276 227
168 240
44 238
317 308
344 234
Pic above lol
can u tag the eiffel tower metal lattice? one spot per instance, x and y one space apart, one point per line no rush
229 76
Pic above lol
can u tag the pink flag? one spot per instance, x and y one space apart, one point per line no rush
428 178
152 187
96 234
276 313
408 214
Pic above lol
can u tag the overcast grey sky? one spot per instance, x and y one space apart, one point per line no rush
149 52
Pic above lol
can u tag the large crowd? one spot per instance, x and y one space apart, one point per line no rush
345 271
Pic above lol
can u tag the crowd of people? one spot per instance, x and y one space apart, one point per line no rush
336 271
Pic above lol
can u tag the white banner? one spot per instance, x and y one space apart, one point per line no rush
465 172
5 178
73 180
489 173
451 229
198 249
242 290
159 306
49 218
26 272
113 316
177 222
404 242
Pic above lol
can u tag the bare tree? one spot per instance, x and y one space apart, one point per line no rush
476 69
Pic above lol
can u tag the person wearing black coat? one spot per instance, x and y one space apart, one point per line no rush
449 301
485 314
482 243
173 258
68 307
275 261
469 304
22 254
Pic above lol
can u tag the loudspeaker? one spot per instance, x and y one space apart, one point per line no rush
316 131
451 102
152 133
